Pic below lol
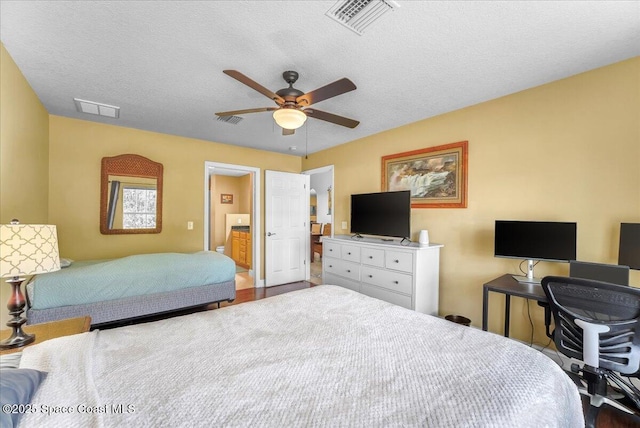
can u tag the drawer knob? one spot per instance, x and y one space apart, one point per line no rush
370 257
349 270
370 276
395 282
330 265
349 253
396 261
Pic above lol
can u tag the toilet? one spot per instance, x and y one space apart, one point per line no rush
220 249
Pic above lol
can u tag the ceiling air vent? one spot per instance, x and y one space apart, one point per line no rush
92 107
357 15
234 120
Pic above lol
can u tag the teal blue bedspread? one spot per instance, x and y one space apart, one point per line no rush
142 274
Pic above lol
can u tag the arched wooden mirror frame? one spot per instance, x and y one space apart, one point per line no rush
129 165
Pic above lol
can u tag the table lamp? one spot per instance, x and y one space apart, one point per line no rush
25 249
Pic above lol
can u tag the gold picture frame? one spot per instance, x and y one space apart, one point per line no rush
436 176
226 198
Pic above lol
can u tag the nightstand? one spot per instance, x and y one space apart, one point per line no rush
50 330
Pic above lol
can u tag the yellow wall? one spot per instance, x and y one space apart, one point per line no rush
24 155
24 147
565 151
76 149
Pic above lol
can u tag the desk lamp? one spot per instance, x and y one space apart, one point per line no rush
25 249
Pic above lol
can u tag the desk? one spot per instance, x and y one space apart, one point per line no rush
509 287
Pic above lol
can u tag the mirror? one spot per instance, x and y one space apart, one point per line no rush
130 195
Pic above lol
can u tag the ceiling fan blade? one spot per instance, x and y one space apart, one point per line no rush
329 117
249 110
254 85
331 90
286 131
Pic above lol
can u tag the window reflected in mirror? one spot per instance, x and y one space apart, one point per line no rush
131 195
132 202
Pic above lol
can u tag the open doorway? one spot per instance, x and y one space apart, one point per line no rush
320 218
232 219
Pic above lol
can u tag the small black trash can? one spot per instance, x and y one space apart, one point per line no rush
458 319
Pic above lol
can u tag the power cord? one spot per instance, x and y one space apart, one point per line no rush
530 322
560 360
520 266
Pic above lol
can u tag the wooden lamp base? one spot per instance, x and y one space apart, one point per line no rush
16 307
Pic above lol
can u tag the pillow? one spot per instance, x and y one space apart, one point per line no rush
17 386
10 361
65 263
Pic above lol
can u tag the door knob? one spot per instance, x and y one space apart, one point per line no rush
270 234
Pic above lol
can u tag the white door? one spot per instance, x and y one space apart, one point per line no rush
286 227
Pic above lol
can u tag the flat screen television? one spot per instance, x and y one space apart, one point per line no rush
382 214
535 240
629 250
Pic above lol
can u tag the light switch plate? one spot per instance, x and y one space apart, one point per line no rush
189 225
344 225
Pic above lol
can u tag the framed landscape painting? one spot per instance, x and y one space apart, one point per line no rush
436 176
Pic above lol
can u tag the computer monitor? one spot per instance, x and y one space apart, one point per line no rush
629 251
535 240
614 274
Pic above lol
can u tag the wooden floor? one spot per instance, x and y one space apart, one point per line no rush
251 294
612 418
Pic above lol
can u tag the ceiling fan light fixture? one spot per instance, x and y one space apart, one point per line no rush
289 118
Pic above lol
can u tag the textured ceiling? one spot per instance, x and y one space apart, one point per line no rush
162 61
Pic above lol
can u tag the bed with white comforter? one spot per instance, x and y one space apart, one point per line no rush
324 356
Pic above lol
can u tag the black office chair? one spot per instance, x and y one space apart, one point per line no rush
598 323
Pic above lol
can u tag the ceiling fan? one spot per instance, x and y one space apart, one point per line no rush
293 104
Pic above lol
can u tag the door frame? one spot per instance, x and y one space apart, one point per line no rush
256 259
322 169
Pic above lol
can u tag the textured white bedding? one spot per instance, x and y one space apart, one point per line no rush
324 356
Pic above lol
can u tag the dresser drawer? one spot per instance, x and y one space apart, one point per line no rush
351 253
330 249
341 281
373 257
398 260
386 295
394 281
342 268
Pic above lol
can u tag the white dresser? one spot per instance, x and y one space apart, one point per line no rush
406 275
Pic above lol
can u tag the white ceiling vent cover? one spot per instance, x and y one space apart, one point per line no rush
234 120
92 107
357 15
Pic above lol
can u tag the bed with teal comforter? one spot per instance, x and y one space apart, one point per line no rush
131 287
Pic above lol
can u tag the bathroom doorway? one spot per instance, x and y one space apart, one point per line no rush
232 219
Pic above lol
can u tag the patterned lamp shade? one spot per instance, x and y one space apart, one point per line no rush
28 249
